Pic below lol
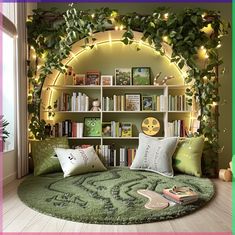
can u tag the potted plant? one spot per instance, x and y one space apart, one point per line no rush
4 134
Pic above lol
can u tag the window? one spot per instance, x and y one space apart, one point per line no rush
8 87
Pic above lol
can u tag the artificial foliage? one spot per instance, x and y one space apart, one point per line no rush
51 34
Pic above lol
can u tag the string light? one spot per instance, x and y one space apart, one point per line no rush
93 15
166 15
214 104
219 45
121 27
32 47
34 56
165 38
205 78
203 15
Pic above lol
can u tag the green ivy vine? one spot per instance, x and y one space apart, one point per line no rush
51 34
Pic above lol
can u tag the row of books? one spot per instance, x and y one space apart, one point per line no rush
181 195
108 154
68 128
127 156
73 102
176 128
178 103
116 129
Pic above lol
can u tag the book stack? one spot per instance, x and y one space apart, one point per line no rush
176 128
68 128
181 195
73 102
178 103
127 156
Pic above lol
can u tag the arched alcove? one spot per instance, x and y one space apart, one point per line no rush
109 53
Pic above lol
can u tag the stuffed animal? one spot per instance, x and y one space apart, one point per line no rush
95 105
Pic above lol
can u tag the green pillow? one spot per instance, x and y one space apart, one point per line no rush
187 156
44 157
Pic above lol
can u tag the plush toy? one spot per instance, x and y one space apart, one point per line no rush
95 105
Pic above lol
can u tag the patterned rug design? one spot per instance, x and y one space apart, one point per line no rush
108 197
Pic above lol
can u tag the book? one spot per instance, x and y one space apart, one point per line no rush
181 195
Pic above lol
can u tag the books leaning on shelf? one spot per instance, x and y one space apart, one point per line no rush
116 129
178 103
181 195
177 128
73 102
68 128
117 103
127 156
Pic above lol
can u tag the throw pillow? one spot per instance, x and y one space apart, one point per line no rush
79 161
155 155
44 157
187 157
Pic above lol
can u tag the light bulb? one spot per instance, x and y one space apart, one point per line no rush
166 16
121 27
92 15
116 27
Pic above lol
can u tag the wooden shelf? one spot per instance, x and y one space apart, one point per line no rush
95 112
184 111
120 138
128 112
134 87
64 87
84 138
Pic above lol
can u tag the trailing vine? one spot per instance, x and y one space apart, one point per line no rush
51 34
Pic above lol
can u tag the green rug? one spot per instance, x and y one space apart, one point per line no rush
108 197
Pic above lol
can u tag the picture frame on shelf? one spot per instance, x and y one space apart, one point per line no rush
106 80
106 129
132 102
92 78
123 76
147 103
126 128
92 127
141 76
79 79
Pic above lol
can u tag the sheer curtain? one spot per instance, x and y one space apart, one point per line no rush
14 30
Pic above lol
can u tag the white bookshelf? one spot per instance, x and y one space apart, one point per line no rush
100 91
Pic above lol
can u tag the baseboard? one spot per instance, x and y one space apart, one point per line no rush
8 179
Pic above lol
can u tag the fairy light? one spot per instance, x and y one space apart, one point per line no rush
219 45
205 78
206 56
93 15
116 28
34 56
165 38
121 27
32 47
214 104
166 15
203 15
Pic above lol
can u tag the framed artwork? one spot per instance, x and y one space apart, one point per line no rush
141 75
92 127
92 78
79 79
147 103
126 128
132 102
123 76
106 129
107 80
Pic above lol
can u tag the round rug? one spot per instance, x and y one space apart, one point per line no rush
108 197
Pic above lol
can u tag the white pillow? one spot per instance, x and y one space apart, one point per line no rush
155 155
79 161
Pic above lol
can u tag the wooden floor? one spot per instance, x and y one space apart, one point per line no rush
215 217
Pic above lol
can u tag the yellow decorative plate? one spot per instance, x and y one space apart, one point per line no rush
150 126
